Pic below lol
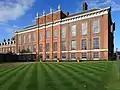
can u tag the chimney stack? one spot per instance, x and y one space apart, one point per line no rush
85 6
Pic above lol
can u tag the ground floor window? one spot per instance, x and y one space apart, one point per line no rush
96 54
41 47
3 50
12 49
41 56
47 56
63 55
34 48
84 55
73 55
55 55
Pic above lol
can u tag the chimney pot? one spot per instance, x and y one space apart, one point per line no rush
85 6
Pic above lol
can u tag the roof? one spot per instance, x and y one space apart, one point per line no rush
71 15
86 11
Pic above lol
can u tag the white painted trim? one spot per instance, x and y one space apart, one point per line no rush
73 59
92 12
55 52
47 52
10 45
94 50
40 52
27 31
96 58
69 19
63 59
83 59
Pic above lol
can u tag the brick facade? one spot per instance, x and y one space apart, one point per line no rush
46 24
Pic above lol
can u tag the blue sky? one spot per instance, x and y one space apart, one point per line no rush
16 14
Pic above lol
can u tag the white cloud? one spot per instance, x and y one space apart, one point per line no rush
102 3
9 29
13 9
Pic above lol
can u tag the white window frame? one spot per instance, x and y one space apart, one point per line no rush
73 30
40 35
34 36
55 33
24 38
84 28
72 45
29 37
63 33
47 34
19 39
96 26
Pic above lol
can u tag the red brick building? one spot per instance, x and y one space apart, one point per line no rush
87 35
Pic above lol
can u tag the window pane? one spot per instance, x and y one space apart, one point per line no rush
96 54
63 33
74 30
55 46
63 46
40 35
73 55
47 34
34 36
84 28
34 48
63 55
84 44
41 49
19 39
55 33
55 55
47 47
47 56
83 55
96 26
96 43
24 39
29 38
29 47
73 45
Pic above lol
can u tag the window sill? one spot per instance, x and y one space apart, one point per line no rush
83 59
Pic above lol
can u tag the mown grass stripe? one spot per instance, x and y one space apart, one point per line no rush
48 79
80 76
19 78
8 70
33 79
41 77
86 74
102 65
55 77
12 81
87 69
78 69
11 74
92 64
70 81
96 67
2 69
92 67
23 85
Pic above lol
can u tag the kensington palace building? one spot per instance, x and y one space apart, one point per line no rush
87 35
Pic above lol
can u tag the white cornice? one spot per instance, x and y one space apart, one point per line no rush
93 50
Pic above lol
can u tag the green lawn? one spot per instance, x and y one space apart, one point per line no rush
59 76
